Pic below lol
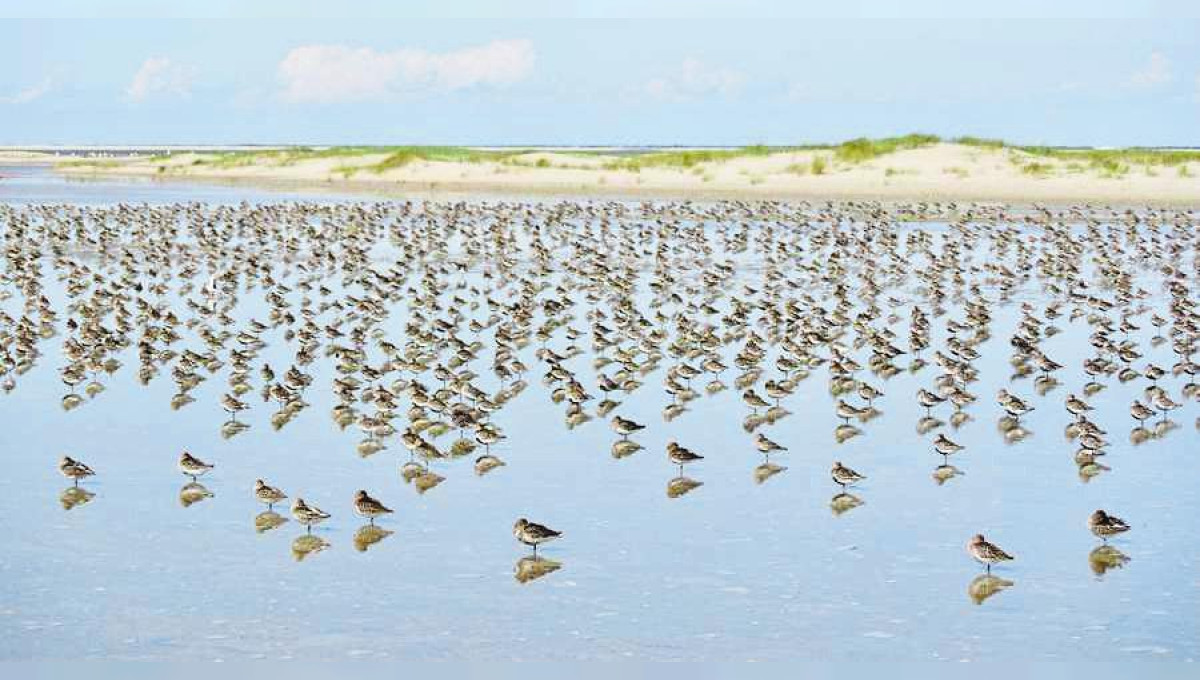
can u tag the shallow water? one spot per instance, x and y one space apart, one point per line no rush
734 569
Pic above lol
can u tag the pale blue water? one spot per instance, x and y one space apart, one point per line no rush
733 570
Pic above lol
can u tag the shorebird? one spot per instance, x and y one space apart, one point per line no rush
847 411
765 445
928 399
1076 406
625 427
754 401
1012 404
533 534
267 494
868 392
1163 402
192 466
844 476
1104 525
308 515
73 469
232 405
680 455
1140 411
985 552
943 445
365 506
487 436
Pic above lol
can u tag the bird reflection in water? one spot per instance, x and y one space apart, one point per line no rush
532 568
232 428
766 471
307 544
928 424
681 486
368 535
986 585
192 493
74 496
1012 430
844 502
268 520
1104 558
946 472
844 433
623 448
426 481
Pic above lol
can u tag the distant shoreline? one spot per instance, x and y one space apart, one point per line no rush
874 170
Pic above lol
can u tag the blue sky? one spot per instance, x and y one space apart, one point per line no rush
620 72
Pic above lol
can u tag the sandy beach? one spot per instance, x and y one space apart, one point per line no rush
935 172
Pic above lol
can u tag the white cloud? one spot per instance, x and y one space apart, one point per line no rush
1156 72
160 75
695 79
30 93
335 73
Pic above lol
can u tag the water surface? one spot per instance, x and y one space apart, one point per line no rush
737 568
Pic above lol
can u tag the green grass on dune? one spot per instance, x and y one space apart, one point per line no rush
688 158
864 149
394 156
980 142
399 157
1112 161
1034 160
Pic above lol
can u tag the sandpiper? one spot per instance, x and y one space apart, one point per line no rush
985 552
232 404
844 476
847 411
192 466
73 469
943 445
308 515
1104 525
1162 401
365 506
753 400
866 391
928 399
625 426
680 455
267 494
765 445
1012 404
1076 406
533 534
1140 411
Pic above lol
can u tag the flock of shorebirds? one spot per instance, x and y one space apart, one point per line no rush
668 293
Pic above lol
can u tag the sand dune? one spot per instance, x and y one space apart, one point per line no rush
943 171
